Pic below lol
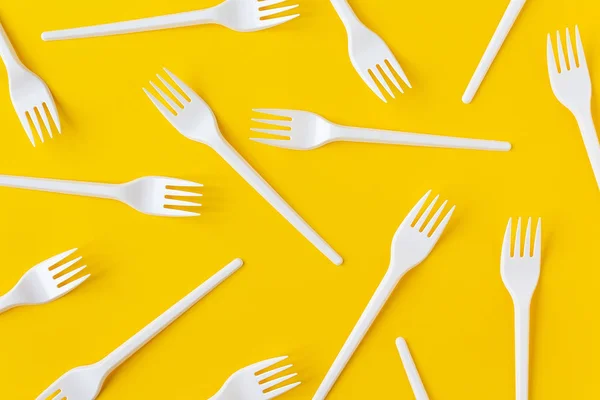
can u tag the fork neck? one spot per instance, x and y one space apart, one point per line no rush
7 52
8 301
346 13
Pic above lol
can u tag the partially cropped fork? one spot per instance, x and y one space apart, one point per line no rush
149 195
410 246
239 15
28 92
85 383
572 86
370 54
45 282
251 383
520 269
194 119
306 131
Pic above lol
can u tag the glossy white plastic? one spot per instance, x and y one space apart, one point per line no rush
306 131
369 53
85 383
41 283
239 15
28 92
572 86
147 195
506 24
195 120
246 384
520 273
410 246
411 370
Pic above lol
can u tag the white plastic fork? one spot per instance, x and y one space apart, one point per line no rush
572 86
410 246
306 131
246 384
85 383
520 274
28 92
239 15
147 194
369 53
195 120
41 284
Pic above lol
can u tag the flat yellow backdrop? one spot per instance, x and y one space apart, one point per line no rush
288 299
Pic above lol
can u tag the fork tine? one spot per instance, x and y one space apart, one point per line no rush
537 243
410 218
440 229
527 248
169 212
275 122
284 144
184 88
63 267
366 77
36 123
552 66
561 54
433 220
46 393
425 214
506 242
53 113
382 81
269 23
182 183
181 203
269 374
280 391
25 124
181 193
68 276
72 285
56 259
396 66
274 382
166 97
161 107
517 249
45 120
274 111
259 366
276 132
388 71
269 3
570 53
171 89
580 51
267 13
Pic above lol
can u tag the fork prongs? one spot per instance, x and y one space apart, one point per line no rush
516 249
35 120
265 22
167 99
571 52
428 230
260 366
381 72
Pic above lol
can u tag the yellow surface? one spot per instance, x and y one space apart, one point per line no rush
288 299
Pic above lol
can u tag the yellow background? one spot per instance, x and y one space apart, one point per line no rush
288 299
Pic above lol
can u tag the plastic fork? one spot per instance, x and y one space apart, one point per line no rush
85 383
410 246
306 131
28 92
520 274
44 283
149 195
572 86
370 54
195 120
246 384
239 15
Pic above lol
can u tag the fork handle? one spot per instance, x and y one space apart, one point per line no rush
103 190
7 52
242 167
197 17
590 139
522 314
346 13
127 349
383 292
8 301
415 139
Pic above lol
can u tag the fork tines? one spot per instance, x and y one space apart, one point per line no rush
562 61
390 67
515 252
36 114
268 17
429 228
57 270
263 365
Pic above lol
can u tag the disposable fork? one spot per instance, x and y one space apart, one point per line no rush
149 195
85 383
44 283
520 274
306 131
28 93
239 15
194 119
572 86
410 246
369 53
246 384
411 370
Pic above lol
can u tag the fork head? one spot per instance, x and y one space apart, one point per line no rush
186 111
246 384
414 241
29 94
571 83
303 130
81 383
45 282
520 268
371 55
153 194
253 15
